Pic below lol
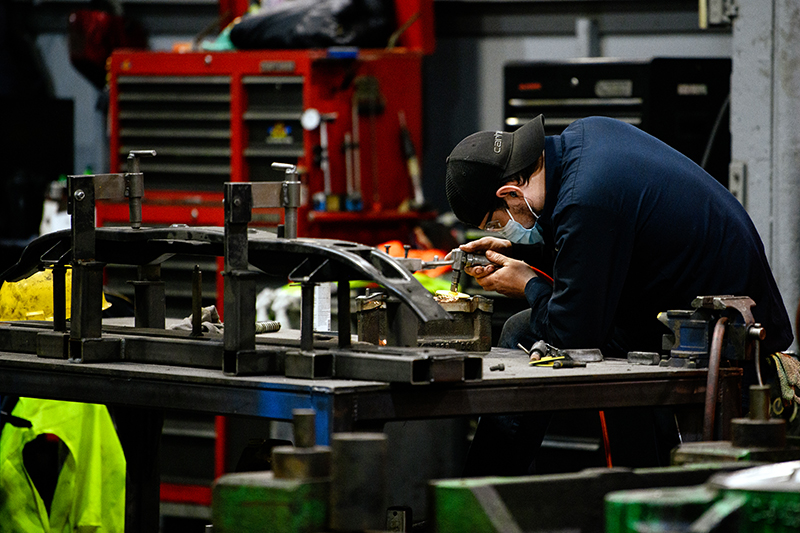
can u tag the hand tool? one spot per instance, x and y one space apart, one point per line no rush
568 363
353 199
548 360
459 260
540 350
311 119
410 155
462 260
368 101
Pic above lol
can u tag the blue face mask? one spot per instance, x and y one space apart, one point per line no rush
516 232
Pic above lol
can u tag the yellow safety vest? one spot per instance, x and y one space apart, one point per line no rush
90 492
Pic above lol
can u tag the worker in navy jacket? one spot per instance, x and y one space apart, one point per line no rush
633 228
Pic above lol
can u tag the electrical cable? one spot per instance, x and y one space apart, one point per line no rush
606 446
713 134
541 274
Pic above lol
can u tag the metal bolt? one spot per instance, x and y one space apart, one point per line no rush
756 331
79 195
207 60
406 247
237 202
499 366
387 246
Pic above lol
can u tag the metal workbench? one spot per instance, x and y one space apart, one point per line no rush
139 394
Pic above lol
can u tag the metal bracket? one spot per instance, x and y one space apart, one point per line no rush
239 298
87 273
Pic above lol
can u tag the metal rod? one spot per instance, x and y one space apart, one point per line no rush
197 302
758 363
343 313
59 298
712 380
306 316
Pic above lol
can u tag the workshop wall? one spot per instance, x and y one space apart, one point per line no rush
462 78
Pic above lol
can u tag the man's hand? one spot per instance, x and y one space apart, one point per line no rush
483 244
506 276
487 243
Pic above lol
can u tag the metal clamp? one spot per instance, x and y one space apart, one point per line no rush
85 342
239 298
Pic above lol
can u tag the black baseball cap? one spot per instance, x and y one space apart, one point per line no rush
482 162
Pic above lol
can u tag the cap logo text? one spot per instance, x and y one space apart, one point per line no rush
498 141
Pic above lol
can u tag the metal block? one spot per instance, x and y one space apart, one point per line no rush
149 302
52 345
505 504
309 365
256 501
396 364
644 358
262 361
447 369
290 462
372 321
358 481
660 509
240 298
95 350
403 325
470 329
87 299
18 338
172 348
721 451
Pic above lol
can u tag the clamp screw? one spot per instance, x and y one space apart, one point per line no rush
79 195
499 366
406 247
757 331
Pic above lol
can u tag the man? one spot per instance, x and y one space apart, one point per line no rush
633 226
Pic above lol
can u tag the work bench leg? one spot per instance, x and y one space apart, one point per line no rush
139 433
729 400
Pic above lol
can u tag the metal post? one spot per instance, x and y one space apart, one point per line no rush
307 316
149 300
239 298
343 313
764 134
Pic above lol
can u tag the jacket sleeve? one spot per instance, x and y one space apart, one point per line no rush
593 255
536 255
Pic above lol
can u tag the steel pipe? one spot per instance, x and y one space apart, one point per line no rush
712 381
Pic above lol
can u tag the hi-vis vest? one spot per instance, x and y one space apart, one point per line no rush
90 492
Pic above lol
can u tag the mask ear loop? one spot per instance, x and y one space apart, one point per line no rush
513 191
529 208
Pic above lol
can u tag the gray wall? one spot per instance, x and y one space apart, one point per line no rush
464 76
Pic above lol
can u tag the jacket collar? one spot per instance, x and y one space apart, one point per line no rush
552 173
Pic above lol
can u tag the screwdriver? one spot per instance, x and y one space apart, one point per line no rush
569 363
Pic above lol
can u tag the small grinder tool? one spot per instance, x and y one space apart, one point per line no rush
462 260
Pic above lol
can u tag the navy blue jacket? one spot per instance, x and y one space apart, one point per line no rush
639 228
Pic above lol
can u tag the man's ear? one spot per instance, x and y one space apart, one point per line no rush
507 190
